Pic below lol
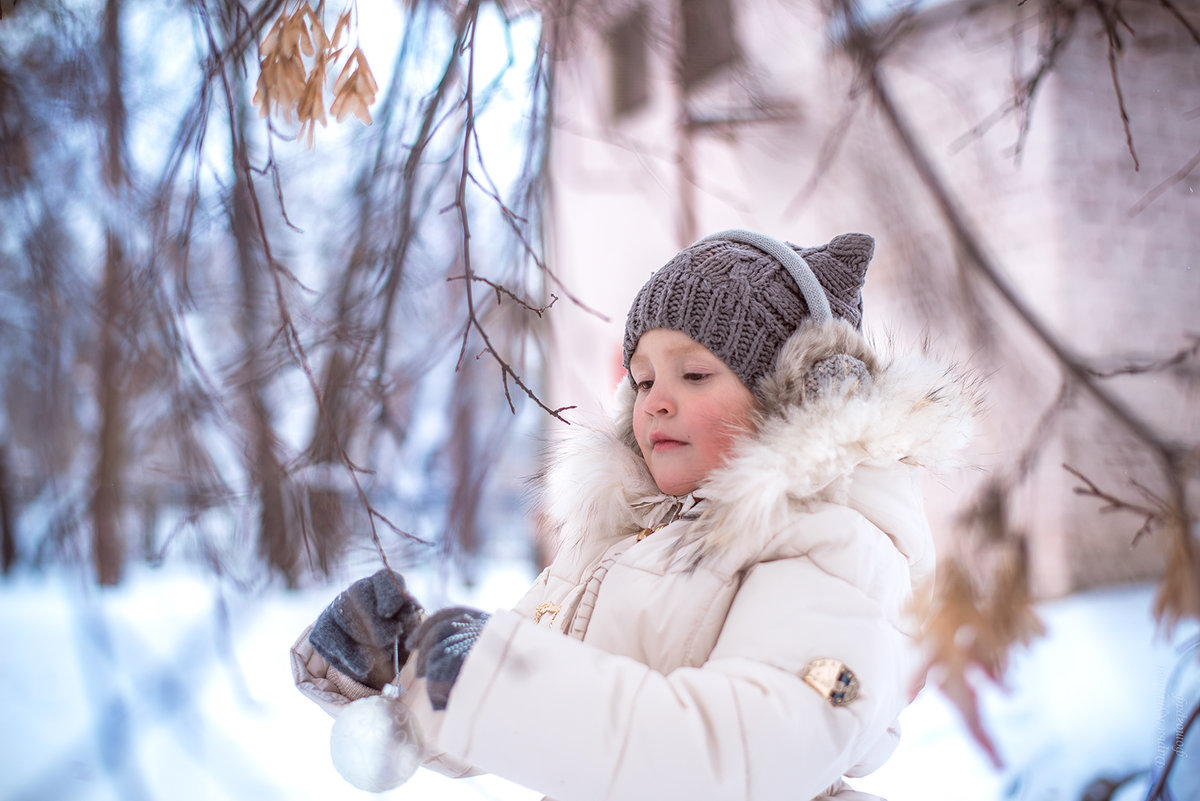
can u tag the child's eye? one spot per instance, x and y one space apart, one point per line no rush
643 386
695 376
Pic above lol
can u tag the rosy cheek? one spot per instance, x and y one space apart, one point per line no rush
725 432
720 448
639 431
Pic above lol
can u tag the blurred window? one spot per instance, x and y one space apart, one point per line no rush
708 42
628 49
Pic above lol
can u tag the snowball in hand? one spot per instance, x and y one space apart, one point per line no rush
374 744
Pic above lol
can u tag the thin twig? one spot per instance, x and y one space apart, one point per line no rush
827 154
1114 46
503 291
1154 194
514 220
1180 356
1153 516
1026 92
1041 432
1175 12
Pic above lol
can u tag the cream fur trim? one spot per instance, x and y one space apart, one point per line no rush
914 411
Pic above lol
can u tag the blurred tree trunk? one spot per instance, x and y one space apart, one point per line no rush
108 551
469 467
107 489
8 536
344 409
326 510
266 473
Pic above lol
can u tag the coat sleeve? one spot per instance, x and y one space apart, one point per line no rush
566 719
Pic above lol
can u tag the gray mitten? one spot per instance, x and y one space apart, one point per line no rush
363 632
442 643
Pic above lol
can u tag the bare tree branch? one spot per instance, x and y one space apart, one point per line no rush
503 292
1155 193
1111 16
1155 366
1187 25
292 337
1153 516
460 203
989 271
1170 456
830 145
1061 27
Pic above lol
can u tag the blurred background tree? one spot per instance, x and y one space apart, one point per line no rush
219 341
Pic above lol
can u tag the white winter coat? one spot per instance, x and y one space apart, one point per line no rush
661 655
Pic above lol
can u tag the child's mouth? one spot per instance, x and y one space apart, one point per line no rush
666 444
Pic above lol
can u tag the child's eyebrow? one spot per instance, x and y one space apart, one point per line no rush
680 352
690 350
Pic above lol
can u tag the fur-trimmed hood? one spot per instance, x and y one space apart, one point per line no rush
805 449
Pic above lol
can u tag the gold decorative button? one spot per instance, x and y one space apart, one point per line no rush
832 679
646 532
546 608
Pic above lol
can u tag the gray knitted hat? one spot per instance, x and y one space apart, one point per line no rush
742 294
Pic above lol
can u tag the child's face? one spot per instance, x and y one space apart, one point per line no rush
689 408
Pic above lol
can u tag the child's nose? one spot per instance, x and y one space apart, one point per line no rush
659 399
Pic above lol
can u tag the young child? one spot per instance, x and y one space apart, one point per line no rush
729 613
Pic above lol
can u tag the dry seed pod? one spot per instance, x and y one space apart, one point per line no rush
287 87
355 89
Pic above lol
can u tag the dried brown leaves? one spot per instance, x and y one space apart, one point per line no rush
1178 595
974 621
355 89
970 631
295 58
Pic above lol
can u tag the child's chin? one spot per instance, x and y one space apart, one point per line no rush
675 486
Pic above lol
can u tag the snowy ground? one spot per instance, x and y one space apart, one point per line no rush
143 693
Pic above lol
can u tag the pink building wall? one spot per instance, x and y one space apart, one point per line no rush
629 191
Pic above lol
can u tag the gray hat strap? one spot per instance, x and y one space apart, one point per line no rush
797 267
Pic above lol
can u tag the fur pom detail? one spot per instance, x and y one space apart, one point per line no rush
784 387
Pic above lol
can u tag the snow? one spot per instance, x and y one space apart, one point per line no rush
1081 703
141 692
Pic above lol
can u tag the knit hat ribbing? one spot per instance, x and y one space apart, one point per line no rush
740 302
